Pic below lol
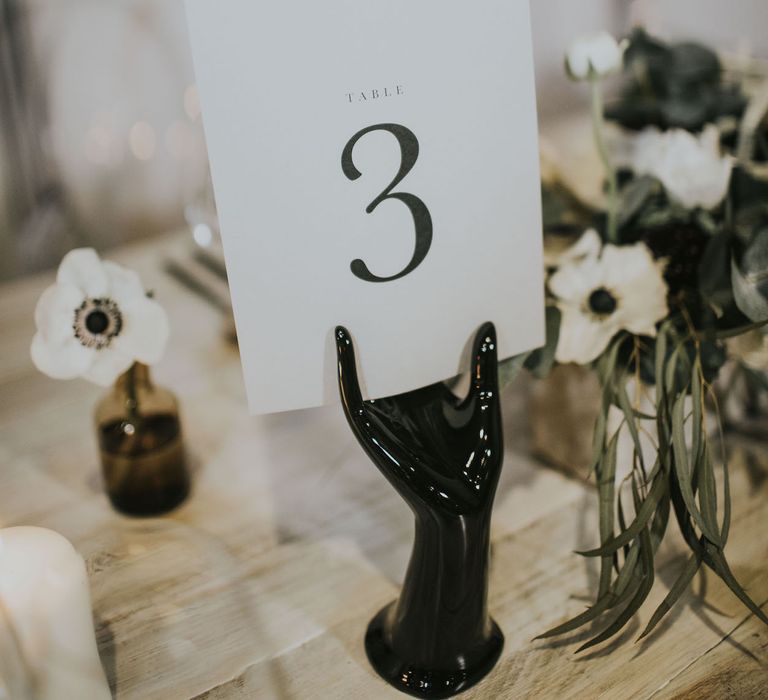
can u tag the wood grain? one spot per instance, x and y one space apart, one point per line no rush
262 584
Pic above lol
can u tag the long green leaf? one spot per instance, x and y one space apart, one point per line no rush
726 528
682 516
622 520
734 332
678 588
645 513
590 614
598 439
660 359
540 361
626 407
646 584
715 560
708 491
697 420
606 487
606 367
620 593
683 470
511 368
627 574
660 521
670 376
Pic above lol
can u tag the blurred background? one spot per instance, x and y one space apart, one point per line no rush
101 137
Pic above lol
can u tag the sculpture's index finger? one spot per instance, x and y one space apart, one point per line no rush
349 386
485 366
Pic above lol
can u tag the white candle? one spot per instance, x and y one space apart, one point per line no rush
47 644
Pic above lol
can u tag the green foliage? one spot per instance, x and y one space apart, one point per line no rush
682 477
562 211
716 270
541 361
674 85
750 278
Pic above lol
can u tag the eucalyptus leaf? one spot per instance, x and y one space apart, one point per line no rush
627 574
682 516
735 332
629 414
598 438
707 222
750 290
622 524
658 218
702 459
634 196
606 487
541 361
671 372
620 593
693 63
748 193
660 359
697 415
645 513
674 85
511 368
715 559
646 584
683 470
726 527
678 588
606 368
590 614
685 113
708 492
584 618
714 274
660 521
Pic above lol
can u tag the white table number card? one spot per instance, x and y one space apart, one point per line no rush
375 166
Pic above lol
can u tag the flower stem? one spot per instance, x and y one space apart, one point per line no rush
132 395
598 124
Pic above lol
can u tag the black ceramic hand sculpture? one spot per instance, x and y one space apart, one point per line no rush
443 456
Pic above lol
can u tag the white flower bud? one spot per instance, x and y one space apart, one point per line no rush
595 56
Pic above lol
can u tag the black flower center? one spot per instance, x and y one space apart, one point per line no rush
602 302
97 322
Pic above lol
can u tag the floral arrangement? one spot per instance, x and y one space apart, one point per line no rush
655 290
96 321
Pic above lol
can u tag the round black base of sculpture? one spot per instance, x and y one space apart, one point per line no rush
455 676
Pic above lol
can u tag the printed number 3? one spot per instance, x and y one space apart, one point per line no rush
409 148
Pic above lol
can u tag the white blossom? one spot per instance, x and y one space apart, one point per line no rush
96 321
603 292
556 254
596 55
692 168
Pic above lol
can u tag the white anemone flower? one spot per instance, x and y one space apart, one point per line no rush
595 56
96 321
557 254
604 292
692 168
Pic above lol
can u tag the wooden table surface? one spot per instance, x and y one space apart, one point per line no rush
262 584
